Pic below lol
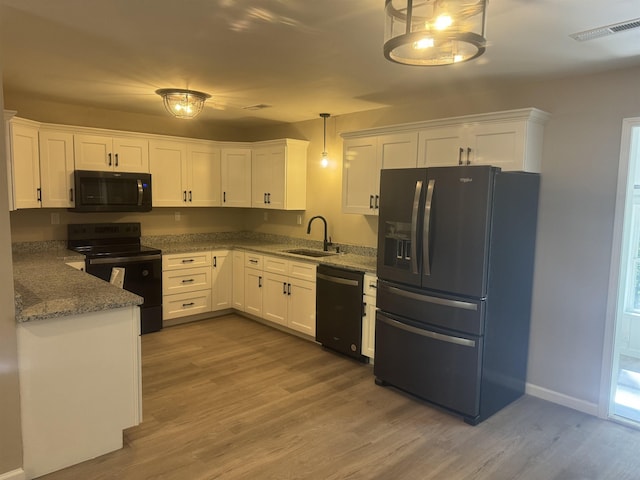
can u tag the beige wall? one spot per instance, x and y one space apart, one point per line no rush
10 428
579 168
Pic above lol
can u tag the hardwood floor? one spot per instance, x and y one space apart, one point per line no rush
230 398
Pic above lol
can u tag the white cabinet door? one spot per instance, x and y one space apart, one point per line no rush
359 173
253 291
274 298
238 280
369 327
56 168
25 161
441 146
93 152
236 177
203 175
501 144
221 280
398 150
104 152
168 165
301 313
131 154
261 173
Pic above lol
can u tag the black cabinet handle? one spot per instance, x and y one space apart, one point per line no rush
259 282
377 204
460 156
364 309
215 262
288 289
109 159
264 198
39 194
284 288
224 197
190 196
116 159
468 153
71 194
268 198
370 201
190 304
184 195
188 280
188 260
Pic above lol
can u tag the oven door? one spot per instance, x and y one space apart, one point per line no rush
434 364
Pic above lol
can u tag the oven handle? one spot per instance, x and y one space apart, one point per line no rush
465 342
340 280
120 260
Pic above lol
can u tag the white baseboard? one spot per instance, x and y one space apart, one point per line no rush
562 399
17 474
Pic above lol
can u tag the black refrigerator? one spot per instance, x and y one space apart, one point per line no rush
455 269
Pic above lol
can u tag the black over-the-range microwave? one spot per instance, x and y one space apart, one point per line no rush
112 191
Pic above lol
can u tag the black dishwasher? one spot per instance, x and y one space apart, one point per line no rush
339 310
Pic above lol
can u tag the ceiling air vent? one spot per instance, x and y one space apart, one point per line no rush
606 30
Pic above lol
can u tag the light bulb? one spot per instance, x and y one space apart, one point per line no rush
324 163
423 43
443 21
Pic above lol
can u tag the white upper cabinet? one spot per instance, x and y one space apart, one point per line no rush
184 173
25 163
364 157
56 168
104 152
279 175
510 140
235 168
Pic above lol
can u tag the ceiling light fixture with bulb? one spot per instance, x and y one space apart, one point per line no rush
183 103
434 32
324 162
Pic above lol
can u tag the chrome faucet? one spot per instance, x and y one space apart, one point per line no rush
325 242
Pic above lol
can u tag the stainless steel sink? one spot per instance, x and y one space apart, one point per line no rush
307 252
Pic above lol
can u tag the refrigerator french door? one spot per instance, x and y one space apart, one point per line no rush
455 266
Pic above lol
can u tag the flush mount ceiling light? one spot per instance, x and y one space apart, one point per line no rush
325 156
434 32
182 103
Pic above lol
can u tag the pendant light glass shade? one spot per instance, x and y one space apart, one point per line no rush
182 103
434 32
324 162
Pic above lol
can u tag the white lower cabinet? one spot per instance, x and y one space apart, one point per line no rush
253 281
369 318
237 293
186 284
221 280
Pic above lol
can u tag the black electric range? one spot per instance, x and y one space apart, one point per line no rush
110 245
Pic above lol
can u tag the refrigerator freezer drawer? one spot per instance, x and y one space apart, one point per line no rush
438 366
449 312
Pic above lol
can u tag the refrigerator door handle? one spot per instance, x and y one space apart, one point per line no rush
426 261
414 226
465 342
430 299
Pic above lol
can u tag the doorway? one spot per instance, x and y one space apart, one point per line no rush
624 294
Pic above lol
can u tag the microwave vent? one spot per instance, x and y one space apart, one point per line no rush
606 30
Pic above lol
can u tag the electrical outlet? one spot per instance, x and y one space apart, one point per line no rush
266 216
299 220
176 216
55 218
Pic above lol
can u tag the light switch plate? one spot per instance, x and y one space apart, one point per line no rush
176 216
55 218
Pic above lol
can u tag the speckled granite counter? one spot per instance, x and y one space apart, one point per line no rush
48 288
353 257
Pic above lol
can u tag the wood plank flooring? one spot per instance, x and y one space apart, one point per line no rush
229 398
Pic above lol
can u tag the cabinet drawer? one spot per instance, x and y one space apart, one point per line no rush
303 271
370 284
187 280
183 304
275 265
186 260
252 260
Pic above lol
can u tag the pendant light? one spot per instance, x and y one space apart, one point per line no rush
434 32
182 103
324 162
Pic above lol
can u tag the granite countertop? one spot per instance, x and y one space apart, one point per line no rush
47 288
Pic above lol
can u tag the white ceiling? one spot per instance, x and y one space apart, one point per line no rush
302 57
